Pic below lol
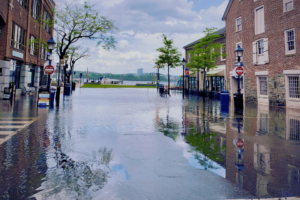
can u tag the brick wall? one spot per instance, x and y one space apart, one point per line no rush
276 22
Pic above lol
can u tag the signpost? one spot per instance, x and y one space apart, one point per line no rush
240 143
239 71
187 72
49 69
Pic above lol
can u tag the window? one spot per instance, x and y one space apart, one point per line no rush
24 3
33 46
263 85
238 24
294 91
18 37
287 5
47 20
290 41
259 20
294 129
223 51
260 46
189 57
35 8
43 52
260 51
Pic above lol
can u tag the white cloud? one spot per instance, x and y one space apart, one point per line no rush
141 24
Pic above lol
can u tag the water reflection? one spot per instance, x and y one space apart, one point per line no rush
67 178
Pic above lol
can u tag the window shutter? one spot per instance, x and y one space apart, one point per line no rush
262 20
266 51
254 53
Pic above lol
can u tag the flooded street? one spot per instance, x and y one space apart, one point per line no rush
134 144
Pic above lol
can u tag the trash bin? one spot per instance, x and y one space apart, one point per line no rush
73 86
52 97
224 97
161 89
67 90
6 93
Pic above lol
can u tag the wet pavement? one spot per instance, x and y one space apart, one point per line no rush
134 144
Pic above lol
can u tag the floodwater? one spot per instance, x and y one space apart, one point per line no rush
134 144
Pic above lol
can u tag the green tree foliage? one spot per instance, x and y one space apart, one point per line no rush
205 53
169 55
73 24
205 149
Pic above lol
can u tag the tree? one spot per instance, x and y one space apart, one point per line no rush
73 24
204 54
169 55
75 53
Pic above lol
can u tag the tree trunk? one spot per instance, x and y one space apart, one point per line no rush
198 77
204 84
168 80
58 85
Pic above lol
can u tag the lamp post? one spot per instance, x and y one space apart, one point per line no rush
183 65
51 44
157 82
238 99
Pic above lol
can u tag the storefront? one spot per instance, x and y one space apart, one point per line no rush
15 73
216 80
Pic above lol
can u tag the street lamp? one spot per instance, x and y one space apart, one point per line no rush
239 53
51 44
238 99
157 82
183 65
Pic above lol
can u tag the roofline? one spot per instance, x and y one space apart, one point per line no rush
227 10
195 42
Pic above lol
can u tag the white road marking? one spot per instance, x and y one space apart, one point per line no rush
6 135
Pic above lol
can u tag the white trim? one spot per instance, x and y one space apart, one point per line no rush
255 20
221 58
284 5
287 52
291 72
236 25
262 73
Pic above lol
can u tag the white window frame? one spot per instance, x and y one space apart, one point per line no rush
32 45
255 20
287 51
259 88
263 58
237 25
221 51
284 5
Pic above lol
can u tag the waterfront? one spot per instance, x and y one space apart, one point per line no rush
134 144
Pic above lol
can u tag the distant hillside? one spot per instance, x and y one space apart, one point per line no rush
126 77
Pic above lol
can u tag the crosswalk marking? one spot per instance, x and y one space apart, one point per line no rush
11 126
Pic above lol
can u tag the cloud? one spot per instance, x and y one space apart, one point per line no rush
141 24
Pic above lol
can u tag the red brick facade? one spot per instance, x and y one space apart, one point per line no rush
276 22
22 17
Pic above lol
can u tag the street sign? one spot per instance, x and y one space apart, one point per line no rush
240 143
239 71
238 64
49 69
187 72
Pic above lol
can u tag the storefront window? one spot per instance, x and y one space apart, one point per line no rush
15 72
192 83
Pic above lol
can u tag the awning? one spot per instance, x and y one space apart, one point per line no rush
218 71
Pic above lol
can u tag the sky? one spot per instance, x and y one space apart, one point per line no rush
141 24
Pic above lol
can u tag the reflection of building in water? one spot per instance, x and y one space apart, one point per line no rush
271 164
292 124
262 119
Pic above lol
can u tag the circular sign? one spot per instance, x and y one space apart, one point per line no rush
49 69
240 143
239 71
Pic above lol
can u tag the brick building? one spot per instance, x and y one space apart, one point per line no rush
269 33
215 77
21 21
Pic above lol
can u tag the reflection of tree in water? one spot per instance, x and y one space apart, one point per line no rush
76 179
170 129
204 148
